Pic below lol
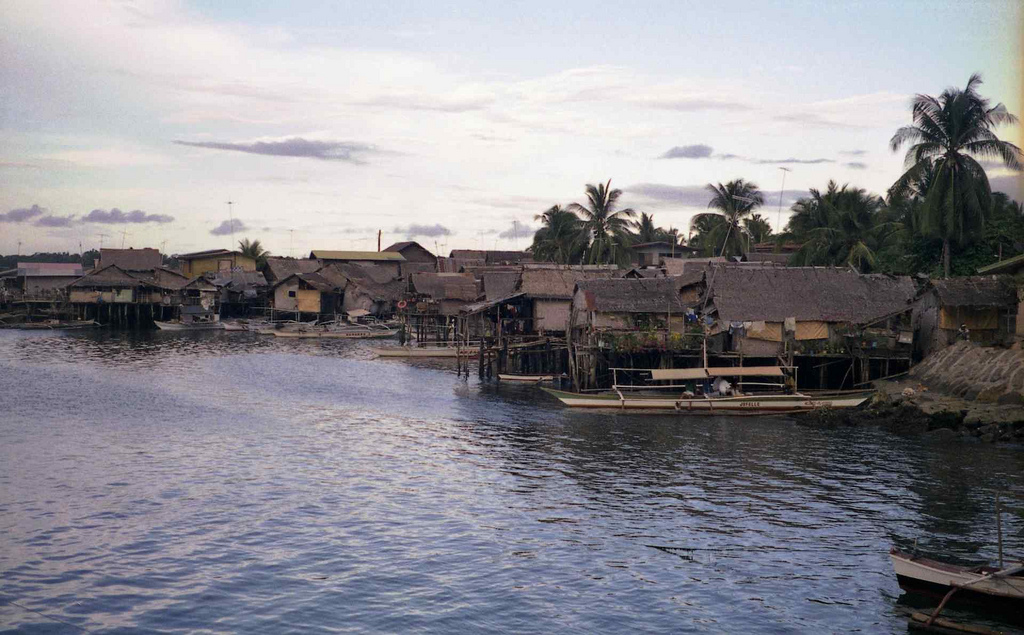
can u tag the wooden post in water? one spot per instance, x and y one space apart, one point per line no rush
999 530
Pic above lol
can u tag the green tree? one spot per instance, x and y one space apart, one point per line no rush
560 238
254 250
606 228
842 226
758 228
721 231
947 135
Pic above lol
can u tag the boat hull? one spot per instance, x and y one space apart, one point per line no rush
525 379
937 578
174 326
359 335
409 351
747 404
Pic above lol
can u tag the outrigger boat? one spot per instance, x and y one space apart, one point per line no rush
527 379
347 332
450 352
193 326
689 398
979 583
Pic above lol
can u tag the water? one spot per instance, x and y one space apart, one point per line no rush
233 483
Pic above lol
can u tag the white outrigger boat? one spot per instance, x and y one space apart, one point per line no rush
689 399
191 326
347 332
449 352
527 379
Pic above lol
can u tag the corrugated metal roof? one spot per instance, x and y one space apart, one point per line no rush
325 254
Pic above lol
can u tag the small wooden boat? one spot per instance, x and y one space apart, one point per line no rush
341 334
55 325
984 584
426 351
695 397
193 326
526 379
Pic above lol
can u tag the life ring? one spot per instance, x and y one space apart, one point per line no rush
402 304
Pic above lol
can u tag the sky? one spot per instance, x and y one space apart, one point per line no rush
455 123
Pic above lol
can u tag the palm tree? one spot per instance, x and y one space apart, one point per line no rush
646 230
607 229
758 228
560 239
254 250
732 201
947 134
841 227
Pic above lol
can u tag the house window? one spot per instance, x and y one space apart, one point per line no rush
291 294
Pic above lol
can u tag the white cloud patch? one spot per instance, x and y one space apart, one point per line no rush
429 231
697 151
346 151
22 214
229 227
116 216
54 221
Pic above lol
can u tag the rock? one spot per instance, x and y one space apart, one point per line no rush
973 420
941 435
1011 397
988 438
991 394
990 429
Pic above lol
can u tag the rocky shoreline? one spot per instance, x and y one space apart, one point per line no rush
965 392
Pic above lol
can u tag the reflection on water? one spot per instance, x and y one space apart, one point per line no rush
235 482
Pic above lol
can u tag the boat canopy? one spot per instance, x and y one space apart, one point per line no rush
723 371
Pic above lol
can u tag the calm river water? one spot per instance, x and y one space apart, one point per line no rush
230 483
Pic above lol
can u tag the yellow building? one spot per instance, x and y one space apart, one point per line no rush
200 262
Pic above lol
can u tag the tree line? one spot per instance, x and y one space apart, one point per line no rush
940 217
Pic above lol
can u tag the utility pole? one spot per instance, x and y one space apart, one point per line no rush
778 218
291 236
124 234
102 236
19 247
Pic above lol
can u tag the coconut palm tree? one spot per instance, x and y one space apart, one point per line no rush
758 228
254 250
842 226
646 230
606 227
731 202
949 133
560 238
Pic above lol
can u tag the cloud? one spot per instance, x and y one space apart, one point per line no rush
429 231
697 151
856 165
293 147
812 119
431 103
692 105
1012 185
699 196
54 221
522 231
791 160
228 227
757 161
853 153
685 195
22 214
116 216
13 165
